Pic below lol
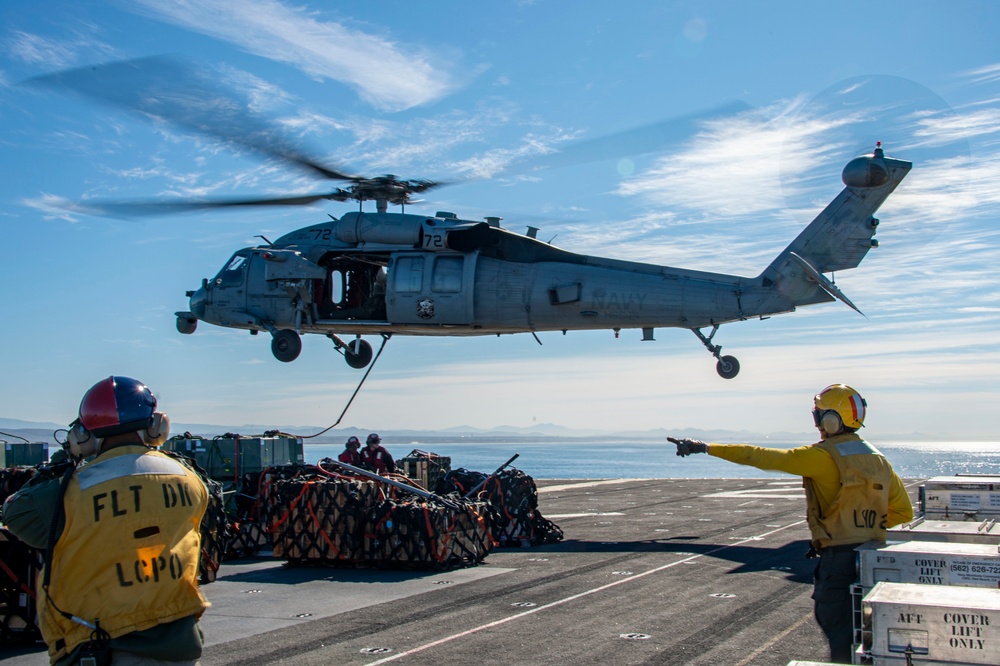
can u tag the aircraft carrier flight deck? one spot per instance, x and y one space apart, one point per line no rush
651 571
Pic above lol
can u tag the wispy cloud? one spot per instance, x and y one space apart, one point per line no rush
741 165
986 74
385 73
81 42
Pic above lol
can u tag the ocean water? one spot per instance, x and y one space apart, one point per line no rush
617 459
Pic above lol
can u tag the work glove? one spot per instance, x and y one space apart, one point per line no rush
686 447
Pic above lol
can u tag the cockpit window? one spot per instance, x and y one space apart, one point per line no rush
232 274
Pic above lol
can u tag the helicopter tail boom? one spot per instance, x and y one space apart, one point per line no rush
840 236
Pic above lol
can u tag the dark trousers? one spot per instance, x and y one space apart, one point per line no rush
835 573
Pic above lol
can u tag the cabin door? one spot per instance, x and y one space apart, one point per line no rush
432 288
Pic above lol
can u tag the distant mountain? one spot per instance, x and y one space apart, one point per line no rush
6 424
41 431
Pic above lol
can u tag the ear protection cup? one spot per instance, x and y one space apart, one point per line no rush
831 422
81 442
158 430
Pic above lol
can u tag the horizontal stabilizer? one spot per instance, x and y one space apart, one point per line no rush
824 283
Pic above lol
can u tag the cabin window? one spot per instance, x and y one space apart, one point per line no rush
447 276
408 275
338 287
232 274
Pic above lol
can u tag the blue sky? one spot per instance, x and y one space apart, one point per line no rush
468 92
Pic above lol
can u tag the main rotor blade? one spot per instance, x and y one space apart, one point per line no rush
146 208
635 141
189 98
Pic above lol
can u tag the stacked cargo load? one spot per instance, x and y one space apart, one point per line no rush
19 568
427 533
426 468
514 495
914 588
315 516
247 535
12 478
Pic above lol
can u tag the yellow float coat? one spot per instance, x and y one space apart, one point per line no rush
128 555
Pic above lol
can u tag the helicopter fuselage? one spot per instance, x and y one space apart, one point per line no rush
500 282
404 274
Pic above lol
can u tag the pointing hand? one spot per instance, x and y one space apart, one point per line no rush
686 447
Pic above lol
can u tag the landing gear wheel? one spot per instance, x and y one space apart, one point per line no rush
728 367
358 353
286 345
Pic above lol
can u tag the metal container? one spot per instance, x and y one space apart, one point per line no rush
928 562
971 497
281 450
223 458
954 531
23 454
924 562
933 624
230 458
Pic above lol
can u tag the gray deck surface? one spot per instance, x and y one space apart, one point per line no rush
664 571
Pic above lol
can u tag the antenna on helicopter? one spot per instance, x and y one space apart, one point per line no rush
265 240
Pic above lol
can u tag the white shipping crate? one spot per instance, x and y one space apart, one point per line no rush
929 563
933 624
961 497
954 531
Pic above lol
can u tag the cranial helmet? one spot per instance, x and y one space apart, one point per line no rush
837 407
373 439
353 442
116 405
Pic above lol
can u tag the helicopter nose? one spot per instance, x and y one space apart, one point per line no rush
198 299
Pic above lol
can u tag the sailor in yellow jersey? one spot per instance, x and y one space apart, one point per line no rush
852 496
120 581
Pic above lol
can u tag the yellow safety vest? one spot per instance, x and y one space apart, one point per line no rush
128 555
858 512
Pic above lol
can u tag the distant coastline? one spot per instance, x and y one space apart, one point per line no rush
540 433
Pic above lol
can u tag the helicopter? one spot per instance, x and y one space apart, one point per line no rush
381 273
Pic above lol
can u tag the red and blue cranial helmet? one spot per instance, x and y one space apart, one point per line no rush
116 405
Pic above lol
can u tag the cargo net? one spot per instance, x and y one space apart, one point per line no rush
19 567
427 469
12 478
514 496
246 531
315 516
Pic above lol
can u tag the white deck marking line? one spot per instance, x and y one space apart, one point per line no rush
584 515
753 655
586 484
574 597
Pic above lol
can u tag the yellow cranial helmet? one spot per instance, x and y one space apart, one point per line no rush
841 399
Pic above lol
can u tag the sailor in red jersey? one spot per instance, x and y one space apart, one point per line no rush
375 457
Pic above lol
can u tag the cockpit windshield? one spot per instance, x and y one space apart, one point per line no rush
232 273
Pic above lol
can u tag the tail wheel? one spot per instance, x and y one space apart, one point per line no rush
286 345
728 367
358 353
